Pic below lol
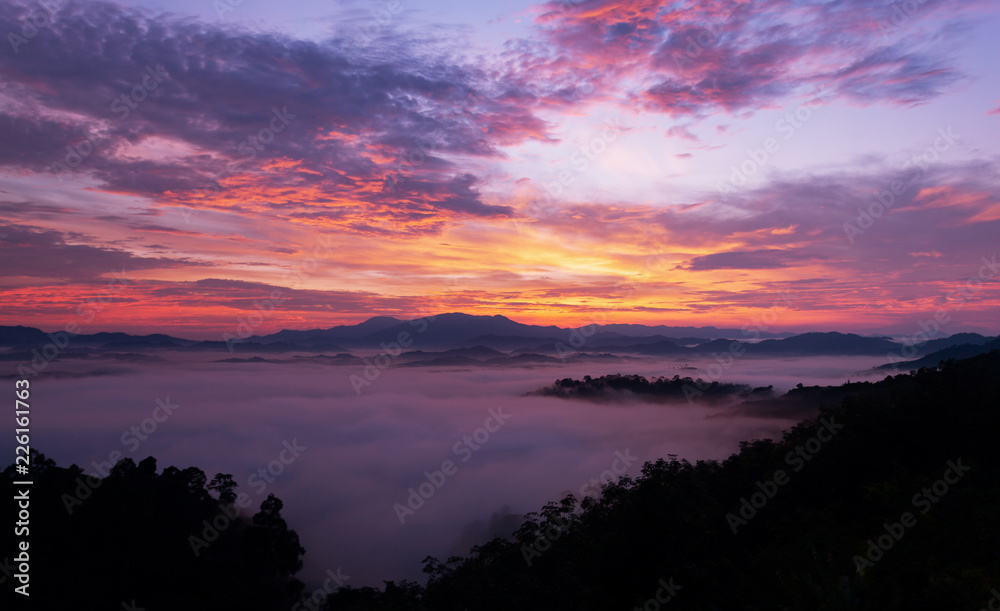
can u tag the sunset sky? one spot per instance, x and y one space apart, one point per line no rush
680 163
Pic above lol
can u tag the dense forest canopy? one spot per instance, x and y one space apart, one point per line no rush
159 539
886 499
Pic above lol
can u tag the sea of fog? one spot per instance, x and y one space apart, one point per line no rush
359 454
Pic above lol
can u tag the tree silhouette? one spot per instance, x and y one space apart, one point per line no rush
224 485
797 549
97 542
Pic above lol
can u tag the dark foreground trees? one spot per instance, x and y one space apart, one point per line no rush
136 539
830 533
616 386
890 500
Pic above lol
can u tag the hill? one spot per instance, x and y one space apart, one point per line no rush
962 351
885 501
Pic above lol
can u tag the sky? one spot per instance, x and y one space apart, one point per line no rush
183 166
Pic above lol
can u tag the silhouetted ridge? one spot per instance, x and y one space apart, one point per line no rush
160 540
849 475
618 386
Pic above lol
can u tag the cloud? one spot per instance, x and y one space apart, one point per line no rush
726 56
363 453
31 252
753 259
212 116
35 143
759 240
681 131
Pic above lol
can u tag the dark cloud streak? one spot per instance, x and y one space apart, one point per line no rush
353 115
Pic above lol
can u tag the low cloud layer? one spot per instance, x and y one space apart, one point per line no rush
363 453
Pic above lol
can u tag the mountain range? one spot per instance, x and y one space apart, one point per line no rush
458 338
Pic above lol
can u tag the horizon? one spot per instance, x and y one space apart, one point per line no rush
632 261
552 162
220 334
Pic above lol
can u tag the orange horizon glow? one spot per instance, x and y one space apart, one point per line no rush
616 162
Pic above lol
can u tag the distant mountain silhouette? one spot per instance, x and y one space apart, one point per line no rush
514 343
665 347
524 359
106 340
21 336
934 359
444 361
806 344
491 336
252 359
274 347
30 337
455 328
617 340
474 352
679 332
955 340
552 346
831 343
340 332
